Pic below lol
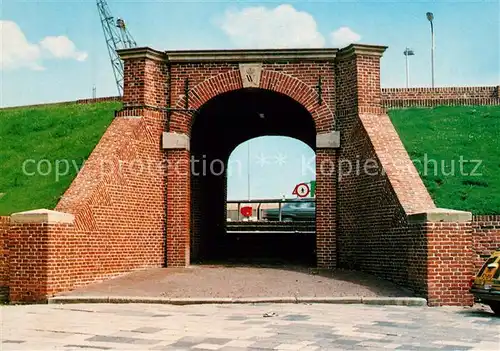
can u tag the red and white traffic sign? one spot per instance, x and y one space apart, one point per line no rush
301 190
246 211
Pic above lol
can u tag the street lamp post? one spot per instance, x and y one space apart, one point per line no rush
248 170
430 17
408 52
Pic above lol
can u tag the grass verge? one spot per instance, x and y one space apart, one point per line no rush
456 150
35 141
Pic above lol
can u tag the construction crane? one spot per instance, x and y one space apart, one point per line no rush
117 37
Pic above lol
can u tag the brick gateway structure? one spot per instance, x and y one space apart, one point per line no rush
139 202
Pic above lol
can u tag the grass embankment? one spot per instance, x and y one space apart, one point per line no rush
437 139
35 141
47 137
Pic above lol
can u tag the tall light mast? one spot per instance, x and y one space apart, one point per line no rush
117 37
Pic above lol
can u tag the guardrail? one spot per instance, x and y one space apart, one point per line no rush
271 227
280 203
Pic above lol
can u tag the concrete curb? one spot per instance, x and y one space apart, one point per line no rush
382 301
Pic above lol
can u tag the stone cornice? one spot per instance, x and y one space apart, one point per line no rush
141 53
361 49
261 55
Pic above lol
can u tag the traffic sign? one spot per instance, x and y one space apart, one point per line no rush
246 211
301 190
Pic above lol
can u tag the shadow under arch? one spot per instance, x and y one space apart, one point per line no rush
223 123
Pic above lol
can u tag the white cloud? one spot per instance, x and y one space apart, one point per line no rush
280 27
344 36
17 52
62 48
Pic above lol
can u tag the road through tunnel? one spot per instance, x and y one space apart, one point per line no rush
223 123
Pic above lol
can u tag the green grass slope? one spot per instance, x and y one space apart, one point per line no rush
456 150
35 142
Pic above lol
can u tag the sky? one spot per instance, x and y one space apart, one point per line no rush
54 50
276 165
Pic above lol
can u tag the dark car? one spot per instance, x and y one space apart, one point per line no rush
299 210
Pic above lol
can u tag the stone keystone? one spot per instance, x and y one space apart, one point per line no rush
42 216
250 74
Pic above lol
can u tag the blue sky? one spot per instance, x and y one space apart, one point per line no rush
275 166
54 50
467 38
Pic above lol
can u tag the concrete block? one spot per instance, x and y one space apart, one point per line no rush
175 141
42 216
329 140
440 215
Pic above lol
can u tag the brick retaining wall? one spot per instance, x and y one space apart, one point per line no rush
4 258
62 103
118 203
449 266
429 97
374 235
486 237
118 200
100 99
126 217
391 97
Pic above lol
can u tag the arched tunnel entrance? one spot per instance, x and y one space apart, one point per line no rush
223 123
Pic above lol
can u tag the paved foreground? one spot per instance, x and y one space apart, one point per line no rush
251 327
241 281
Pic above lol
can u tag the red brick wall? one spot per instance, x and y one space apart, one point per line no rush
99 99
178 208
428 97
297 80
119 203
48 271
449 252
118 199
326 209
207 80
46 259
486 238
132 200
80 101
410 239
144 83
374 233
4 257
390 97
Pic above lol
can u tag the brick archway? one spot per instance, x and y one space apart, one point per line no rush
180 232
321 112
224 122
379 222
383 222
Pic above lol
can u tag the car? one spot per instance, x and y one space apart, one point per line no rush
485 286
297 210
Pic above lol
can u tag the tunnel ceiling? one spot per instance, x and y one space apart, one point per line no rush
232 118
